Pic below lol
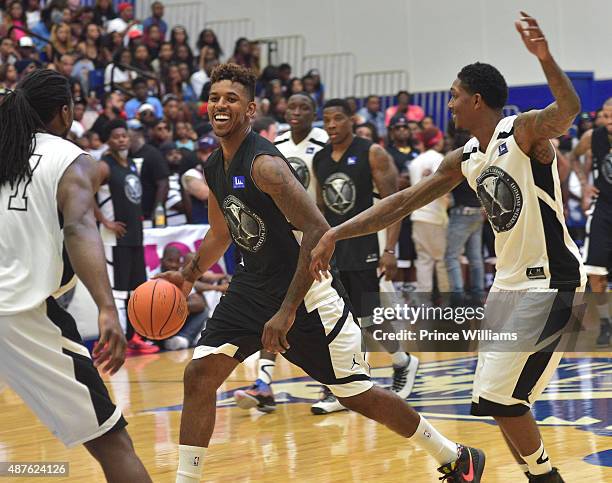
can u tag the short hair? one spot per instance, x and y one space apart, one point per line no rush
341 103
262 124
235 73
284 66
112 125
307 96
372 96
139 80
372 128
486 80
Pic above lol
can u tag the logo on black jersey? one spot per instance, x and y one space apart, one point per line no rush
238 182
246 227
501 198
606 168
133 188
339 193
299 166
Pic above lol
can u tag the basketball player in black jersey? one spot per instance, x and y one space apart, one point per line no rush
509 382
598 199
273 302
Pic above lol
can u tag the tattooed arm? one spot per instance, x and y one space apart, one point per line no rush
391 209
533 129
385 177
273 176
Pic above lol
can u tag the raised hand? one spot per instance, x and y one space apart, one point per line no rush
532 36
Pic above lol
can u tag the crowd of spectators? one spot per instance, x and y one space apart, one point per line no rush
145 72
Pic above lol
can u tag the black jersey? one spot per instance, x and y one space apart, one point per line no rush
120 200
347 190
268 243
602 163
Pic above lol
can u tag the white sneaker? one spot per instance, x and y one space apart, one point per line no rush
176 343
328 404
403 377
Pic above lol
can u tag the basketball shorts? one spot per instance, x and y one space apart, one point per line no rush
407 250
598 241
126 268
363 289
507 383
43 359
325 343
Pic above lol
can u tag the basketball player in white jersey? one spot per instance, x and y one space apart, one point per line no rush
512 166
47 187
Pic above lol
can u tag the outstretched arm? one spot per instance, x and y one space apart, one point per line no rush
553 121
273 176
391 209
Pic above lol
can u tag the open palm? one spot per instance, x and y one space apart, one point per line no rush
532 36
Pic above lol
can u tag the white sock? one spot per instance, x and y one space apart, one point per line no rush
400 359
538 462
441 449
266 370
524 468
603 312
191 462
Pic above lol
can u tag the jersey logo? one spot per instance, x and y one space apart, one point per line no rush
300 168
501 198
339 193
310 150
503 149
238 182
535 273
606 168
132 188
351 160
246 227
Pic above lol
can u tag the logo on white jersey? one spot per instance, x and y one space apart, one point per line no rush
339 193
133 188
299 166
246 227
500 196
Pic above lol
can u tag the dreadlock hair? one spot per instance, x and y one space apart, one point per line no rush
235 73
36 100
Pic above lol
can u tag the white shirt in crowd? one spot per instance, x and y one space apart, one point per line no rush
424 165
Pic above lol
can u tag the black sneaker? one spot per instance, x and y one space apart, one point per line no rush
468 468
259 396
552 477
603 339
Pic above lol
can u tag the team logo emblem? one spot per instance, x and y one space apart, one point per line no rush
238 182
310 150
247 228
133 188
501 198
606 168
302 171
339 193
503 149
351 160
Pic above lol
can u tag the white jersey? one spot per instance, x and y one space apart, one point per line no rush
300 155
522 199
31 237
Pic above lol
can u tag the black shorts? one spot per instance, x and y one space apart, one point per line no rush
598 241
363 289
407 251
125 267
325 343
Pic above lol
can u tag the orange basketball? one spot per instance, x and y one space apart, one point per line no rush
157 309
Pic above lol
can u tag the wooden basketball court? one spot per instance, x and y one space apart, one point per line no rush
293 445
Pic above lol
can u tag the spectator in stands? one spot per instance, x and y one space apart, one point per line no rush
427 123
194 183
154 170
153 39
319 88
184 136
255 57
187 92
32 13
354 106
284 75
367 130
417 139
24 67
295 86
156 18
200 77
96 147
146 115
266 127
430 222
60 42
86 15
585 122
8 54
115 75
411 111
162 62
104 12
43 28
141 59
124 21
178 38
178 203
112 110
26 50
278 107
160 133
14 16
242 53
183 53
401 148
308 83
208 38
172 112
79 111
91 46
371 113
139 86
600 119
8 76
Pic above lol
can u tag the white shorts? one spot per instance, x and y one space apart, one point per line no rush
508 383
43 359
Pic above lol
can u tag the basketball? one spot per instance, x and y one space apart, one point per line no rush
157 309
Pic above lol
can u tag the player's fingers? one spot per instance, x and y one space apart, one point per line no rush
102 357
283 342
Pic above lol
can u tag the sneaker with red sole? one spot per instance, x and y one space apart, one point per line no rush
468 468
137 345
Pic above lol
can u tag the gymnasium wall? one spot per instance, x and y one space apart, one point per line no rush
431 40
